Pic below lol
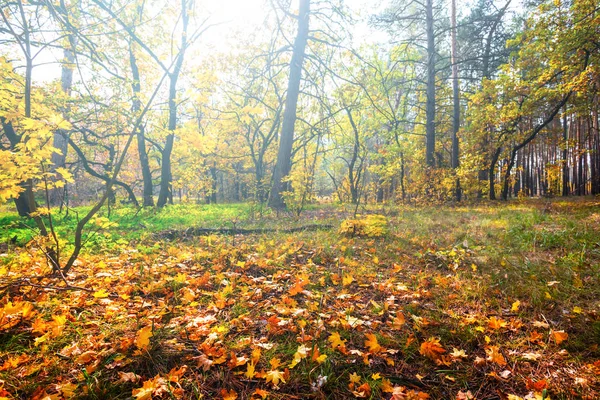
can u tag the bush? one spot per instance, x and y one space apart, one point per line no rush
370 226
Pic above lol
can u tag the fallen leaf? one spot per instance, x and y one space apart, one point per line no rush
142 339
432 349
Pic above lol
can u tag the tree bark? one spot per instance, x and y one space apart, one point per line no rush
456 102
286 140
56 195
148 199
430 101
165 195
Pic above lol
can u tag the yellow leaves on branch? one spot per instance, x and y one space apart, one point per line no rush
24 160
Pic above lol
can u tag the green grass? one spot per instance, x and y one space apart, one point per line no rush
129 223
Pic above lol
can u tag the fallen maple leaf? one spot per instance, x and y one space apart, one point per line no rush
494 355
496 323
432 349
249 371
274 376
398 321
372 344
347 280
86 357
362 391
142 339
457 353
261 393
559 336
354 378
101 294
145 392
515 306
176 373
128 377
336 340
229 394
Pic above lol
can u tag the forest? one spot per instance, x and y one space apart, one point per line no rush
300 199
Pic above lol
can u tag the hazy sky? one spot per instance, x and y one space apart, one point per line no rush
231 18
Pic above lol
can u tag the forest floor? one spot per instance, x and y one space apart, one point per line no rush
480 301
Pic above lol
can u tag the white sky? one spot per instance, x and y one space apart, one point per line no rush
231 19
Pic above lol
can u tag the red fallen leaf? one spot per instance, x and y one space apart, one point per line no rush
538 386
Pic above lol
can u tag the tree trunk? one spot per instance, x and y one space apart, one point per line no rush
492 173
165 195
286 140
430 102
56 195
456 103
565 165
148 199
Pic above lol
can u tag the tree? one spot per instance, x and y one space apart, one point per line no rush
283 164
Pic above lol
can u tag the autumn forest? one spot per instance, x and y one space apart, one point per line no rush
300 199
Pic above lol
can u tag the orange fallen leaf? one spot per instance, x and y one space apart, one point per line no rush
372 344
496 323
432 349
229 394
559 336
494 355
362 391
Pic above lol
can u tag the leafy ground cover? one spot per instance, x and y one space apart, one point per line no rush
470 302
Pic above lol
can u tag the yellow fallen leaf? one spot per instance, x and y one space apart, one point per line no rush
274 376
249 371
494 355
398 321
335 340
347 280
101 294
515 306
142 339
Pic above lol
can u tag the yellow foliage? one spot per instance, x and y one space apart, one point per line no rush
370 226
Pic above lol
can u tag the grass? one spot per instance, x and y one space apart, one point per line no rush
478 278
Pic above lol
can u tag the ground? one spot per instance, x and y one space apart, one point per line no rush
479 301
